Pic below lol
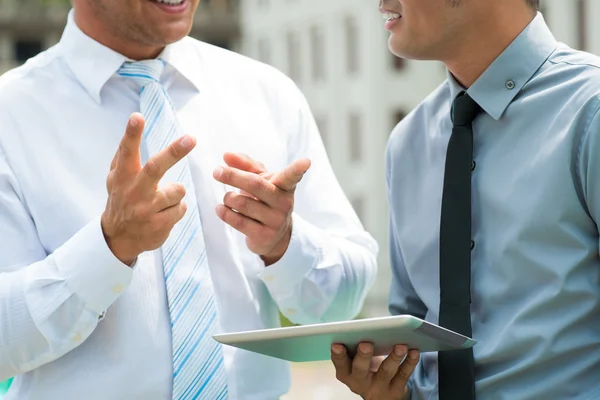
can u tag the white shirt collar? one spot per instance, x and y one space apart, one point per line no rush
94 64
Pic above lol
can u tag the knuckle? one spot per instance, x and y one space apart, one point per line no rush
255 183
124 150
174 151
354 386
386 373
340 376
239 222
287 203
151 168
242 204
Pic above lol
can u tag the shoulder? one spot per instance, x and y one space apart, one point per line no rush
240 69
26 82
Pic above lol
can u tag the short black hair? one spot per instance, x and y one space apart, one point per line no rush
535 4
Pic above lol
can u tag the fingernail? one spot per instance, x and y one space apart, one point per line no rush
218 172
399 352
337 350
186 142
364 348
413 355
133 121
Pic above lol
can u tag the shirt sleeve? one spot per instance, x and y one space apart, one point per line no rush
589 163
49 304
331 262
403 298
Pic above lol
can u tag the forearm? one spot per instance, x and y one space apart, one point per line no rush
50 307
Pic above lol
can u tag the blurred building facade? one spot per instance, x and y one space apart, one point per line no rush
336 51
30 26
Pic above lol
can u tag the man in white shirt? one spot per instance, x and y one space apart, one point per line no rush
84 298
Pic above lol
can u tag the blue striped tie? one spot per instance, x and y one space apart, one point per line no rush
198 371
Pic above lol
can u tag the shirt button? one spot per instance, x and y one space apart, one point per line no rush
269 278
473 165
118 289
510 84
291 311
472 245
77 338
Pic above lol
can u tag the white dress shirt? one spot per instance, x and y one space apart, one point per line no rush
75 323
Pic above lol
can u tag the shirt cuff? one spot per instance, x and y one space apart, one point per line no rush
91 269
303 254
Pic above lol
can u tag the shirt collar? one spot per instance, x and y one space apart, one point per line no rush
506 76
94 64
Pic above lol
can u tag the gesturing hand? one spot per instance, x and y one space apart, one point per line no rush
262 210
373 378
139 216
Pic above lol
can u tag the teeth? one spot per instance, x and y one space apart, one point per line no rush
390 16
170 2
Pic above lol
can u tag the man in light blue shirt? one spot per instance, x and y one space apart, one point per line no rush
535 205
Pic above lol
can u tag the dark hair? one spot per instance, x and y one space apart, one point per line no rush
534 4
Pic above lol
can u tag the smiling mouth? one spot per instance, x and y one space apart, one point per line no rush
391 16
169 2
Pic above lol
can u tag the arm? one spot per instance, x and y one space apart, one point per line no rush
403 298
588 165
330 263
49 304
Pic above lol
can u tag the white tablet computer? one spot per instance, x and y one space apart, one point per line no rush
313 342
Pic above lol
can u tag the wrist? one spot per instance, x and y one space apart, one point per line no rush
122 252
279 250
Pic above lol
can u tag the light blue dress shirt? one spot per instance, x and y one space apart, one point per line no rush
536 205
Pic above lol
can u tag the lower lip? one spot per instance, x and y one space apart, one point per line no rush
390 24
177 9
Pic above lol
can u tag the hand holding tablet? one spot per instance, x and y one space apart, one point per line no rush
313 342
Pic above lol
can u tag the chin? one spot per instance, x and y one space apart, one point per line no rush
174 32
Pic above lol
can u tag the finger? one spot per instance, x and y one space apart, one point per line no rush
254 209
243 162
249 182
172 215
362 361
389 367
168 196
245 225
291 175
127 157
341 362
405 371
161 162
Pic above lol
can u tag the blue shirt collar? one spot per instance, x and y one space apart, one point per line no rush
505 77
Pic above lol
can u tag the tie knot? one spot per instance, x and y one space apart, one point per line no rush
143 72
464 110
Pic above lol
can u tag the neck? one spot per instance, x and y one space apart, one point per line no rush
92 27
489 37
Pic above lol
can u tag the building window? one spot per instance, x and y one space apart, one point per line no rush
317 41
352 51
355 137
582 24
293 53
26 49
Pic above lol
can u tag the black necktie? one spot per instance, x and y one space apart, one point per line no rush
456 368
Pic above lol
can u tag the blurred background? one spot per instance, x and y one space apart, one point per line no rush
336 52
